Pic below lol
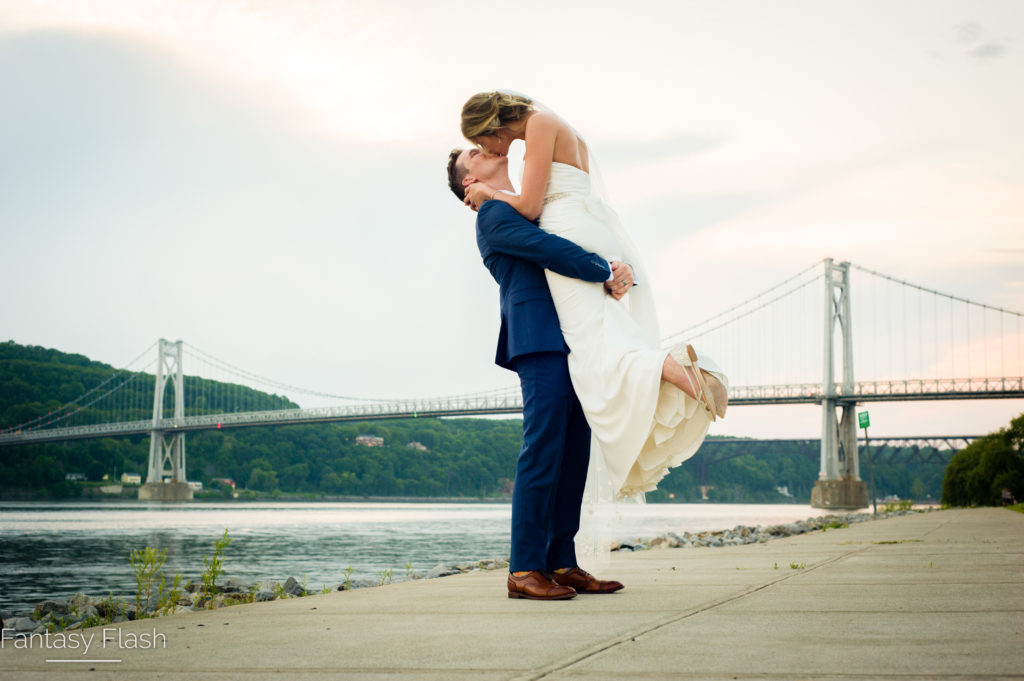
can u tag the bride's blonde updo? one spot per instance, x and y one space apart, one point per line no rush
486 112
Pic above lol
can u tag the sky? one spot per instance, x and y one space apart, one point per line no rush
264 180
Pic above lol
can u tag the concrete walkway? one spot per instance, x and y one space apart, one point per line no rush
927 596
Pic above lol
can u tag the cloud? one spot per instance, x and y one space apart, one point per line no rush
969 32
978 41
928 218
989 51
265 181
682 145
147 200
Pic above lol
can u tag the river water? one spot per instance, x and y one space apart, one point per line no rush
54 550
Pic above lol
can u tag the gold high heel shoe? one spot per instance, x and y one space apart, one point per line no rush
711 394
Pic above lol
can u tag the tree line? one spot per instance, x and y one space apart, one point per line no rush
989 468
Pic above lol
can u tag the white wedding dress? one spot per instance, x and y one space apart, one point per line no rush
641 425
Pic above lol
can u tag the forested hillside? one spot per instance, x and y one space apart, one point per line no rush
468 458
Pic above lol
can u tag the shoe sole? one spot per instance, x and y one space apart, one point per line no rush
517 594
605 591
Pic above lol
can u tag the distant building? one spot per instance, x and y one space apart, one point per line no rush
418 445
369 441
224 482
196 486
74 476
131 479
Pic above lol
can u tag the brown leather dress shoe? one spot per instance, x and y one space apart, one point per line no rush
538 587
585 583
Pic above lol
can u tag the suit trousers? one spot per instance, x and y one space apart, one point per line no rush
552 468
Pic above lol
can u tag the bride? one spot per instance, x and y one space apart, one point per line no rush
648 408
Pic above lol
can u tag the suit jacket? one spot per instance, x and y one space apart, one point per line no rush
517 251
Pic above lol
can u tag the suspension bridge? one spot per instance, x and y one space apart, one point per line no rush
794 343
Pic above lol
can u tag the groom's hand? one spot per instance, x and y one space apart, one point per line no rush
621 281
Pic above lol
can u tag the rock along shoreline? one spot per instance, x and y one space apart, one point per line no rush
82 611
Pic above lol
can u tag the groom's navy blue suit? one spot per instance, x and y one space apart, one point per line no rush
552 468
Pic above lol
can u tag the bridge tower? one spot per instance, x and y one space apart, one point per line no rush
839 485
167 447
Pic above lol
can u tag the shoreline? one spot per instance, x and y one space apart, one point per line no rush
81 611
127 501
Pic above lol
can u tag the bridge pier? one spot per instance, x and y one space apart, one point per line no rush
165 491
167 448
839 485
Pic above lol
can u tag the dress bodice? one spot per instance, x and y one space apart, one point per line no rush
566 180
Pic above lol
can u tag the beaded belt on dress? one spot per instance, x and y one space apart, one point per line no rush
555 197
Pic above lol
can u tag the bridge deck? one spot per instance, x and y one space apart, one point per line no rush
511 403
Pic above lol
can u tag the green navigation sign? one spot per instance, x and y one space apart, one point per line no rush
863 419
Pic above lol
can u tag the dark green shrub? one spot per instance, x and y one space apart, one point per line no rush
977 475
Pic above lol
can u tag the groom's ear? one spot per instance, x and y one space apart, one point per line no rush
468 180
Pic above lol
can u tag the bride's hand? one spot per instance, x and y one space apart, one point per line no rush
477 193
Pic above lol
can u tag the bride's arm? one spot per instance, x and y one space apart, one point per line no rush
541 132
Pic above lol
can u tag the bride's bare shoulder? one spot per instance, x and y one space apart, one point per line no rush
545 120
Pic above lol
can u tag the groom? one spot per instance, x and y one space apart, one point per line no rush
552 467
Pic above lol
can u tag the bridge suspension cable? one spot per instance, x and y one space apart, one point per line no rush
747 313
293 389
771 338
682 334
78 404
933 291
901 334
270 383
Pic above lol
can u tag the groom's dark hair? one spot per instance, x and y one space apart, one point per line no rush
456 174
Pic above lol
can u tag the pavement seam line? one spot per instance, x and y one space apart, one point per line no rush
942 524
536 675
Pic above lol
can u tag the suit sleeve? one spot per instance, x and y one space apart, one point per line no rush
508 232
